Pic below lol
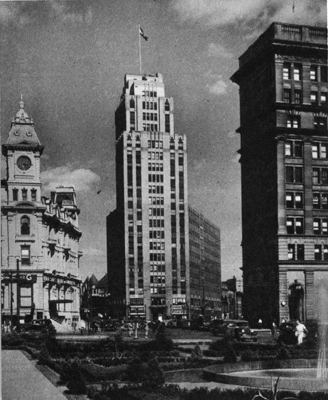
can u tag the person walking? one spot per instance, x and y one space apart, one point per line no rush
130 328
300 332
259 323
146 330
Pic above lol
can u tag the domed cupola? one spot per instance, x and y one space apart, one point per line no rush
22 133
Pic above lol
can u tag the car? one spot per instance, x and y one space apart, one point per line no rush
287 333
227 327
171 323
36 325
245 334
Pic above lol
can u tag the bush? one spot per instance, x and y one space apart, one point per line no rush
76 383
249 355
148 374
197 352
44 356
65 372
283 353
230 355
98 373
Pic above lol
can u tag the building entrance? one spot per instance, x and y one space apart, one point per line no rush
296 301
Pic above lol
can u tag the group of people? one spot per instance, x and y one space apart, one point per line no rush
300 330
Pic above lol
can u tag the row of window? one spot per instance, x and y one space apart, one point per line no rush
296 97
295 225
159 178
157 268
156 235
155 155
156 212
150 127
294 121
149 116
296 252
295 149
294 71
149 105
160 280
156 189
155 167
294 174
157 257
151 93
156 223
156 245
155 144
295 200
24 194
156 200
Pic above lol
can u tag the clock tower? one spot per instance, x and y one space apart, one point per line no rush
22 151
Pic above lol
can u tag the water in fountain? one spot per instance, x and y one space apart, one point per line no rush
322 372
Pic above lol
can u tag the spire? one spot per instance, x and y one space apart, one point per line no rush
21 103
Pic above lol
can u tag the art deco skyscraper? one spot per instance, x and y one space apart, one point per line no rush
147 234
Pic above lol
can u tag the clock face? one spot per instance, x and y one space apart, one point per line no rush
24 163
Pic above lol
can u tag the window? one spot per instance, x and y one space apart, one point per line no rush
313 73
324 73
293 121
132 118
297 72
24 194
320 176
315 150
295 226
167 105
296 252
323 99
317 252
33 194
287 95
25 255
167 122
320 122
314 98
25 226
298 96
15 194
325 252
316 200
320 226
294 200
286 71
294 174
293 149
131 103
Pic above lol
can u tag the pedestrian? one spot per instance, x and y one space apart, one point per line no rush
136 330
300 332
146 330
274 329
259 323
130 328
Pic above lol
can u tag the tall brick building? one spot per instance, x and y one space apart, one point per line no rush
284 167
149 274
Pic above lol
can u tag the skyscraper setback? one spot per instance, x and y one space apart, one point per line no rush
148 233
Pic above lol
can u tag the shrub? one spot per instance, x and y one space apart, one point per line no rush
98 373
76 383
44 356
230 355
249 355
283 353
65 372
197 352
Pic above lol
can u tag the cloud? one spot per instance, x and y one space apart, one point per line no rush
20 13
215 50
219 87
84 180
224 12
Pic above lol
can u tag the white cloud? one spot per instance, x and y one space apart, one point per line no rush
223 12
215 49
219 87
65 12
84 180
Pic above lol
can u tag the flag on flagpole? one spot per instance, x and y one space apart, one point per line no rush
141 32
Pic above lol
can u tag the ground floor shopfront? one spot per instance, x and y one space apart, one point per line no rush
40 295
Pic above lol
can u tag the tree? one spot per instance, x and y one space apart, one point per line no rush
76 383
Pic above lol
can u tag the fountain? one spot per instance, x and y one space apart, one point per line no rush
304 375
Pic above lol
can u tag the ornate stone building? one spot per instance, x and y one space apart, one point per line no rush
284 167
39 236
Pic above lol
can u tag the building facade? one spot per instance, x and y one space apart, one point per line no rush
284 167
39 236
148 233
205 266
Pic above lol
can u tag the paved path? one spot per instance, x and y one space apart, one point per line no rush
21 380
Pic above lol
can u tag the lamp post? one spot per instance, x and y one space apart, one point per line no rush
18 292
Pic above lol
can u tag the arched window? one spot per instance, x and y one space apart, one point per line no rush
25 226
132 104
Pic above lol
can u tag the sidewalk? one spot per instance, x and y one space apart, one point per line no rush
21 380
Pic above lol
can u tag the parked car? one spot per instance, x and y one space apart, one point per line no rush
185 324
171 323
36 325
227 327
245 334
287 333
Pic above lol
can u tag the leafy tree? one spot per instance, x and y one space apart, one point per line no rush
76 383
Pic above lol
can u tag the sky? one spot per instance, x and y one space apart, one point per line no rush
68 60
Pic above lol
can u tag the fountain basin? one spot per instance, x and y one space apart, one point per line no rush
294 374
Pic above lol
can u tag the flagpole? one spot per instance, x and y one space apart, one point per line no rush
139 50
